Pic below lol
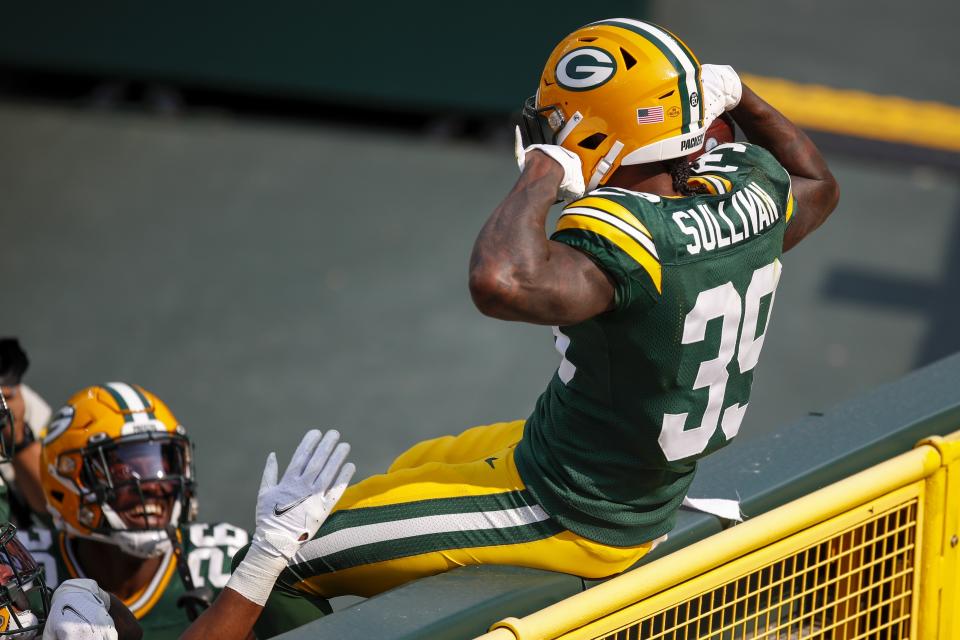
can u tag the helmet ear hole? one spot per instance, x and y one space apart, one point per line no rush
592 141
628 60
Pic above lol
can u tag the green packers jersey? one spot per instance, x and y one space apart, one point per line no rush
664 378
209 548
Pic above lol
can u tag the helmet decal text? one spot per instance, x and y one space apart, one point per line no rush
585 68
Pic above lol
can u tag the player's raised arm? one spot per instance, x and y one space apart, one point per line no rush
814 187
516 272
289 513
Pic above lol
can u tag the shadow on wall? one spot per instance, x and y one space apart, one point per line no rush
936 300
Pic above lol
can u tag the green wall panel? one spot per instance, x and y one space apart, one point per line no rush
428 55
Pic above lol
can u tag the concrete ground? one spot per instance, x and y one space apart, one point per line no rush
264 276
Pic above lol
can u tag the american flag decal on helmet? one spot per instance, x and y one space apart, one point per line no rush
649 115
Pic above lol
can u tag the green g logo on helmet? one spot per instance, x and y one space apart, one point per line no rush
585 68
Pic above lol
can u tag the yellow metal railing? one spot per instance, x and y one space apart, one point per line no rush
873 556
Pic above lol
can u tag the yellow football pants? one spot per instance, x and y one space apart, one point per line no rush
444 503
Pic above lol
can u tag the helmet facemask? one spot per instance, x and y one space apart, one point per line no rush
133 489
24 596
541 124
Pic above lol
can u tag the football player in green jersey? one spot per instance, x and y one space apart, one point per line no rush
119 480
80 610
658 281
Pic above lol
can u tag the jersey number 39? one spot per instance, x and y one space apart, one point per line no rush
720 302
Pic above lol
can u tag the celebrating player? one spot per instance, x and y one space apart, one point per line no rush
80 609
659 284
118 478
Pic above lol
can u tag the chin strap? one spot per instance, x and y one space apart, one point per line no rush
196 600
604 165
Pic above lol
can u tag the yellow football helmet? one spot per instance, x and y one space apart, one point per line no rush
118 467
618 92
24 596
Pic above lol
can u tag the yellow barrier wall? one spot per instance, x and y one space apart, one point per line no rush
872 556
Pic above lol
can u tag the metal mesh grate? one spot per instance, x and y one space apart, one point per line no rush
856 584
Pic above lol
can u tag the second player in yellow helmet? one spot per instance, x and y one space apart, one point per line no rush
619 92
118 467
118 477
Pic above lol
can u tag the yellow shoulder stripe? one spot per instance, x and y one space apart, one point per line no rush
704 183
615 209
152 597
629 245
65 554
141 602
724 181
711 182
790 204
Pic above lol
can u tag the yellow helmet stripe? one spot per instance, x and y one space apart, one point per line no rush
130 401
146 403
119 399
699 80
626 243
686 66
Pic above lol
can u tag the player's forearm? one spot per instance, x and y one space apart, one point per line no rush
123 619
767 127
230 617
814 186
512 250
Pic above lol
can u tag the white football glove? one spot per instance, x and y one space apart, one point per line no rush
721 90
571 187
290 512
79 611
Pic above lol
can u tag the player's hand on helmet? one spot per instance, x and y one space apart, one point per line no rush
721 89
79 611
571 186
290 510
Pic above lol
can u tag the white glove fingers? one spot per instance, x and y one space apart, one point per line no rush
269 477
518 151
335 492
303 454
326 475
320 456
572 185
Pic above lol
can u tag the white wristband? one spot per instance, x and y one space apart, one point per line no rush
256 574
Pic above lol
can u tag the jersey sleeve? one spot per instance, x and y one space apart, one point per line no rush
736 165
605 228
